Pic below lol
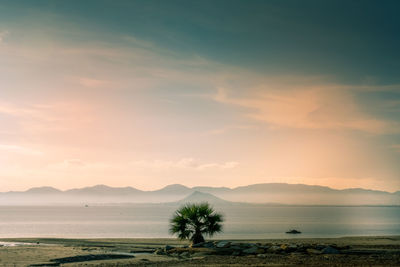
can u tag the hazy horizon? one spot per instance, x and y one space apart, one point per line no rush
201 93
191 187
273 193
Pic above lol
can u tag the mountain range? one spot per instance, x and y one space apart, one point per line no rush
280 193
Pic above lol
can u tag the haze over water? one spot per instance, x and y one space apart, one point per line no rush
151 221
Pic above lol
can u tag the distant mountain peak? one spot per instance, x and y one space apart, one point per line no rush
43 190
175 186
178 188
99 186
197 196
103 189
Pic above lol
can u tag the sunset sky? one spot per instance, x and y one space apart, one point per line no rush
218 93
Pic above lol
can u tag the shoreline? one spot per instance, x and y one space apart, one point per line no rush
343 251
169 239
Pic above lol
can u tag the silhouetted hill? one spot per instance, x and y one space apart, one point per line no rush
282 187
362 191
43 190
103 189
175 189
212 190
197 197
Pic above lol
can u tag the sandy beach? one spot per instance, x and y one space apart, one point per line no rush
351 251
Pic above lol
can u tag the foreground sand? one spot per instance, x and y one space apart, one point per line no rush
371 251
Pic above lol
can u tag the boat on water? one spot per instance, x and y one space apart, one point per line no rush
293 231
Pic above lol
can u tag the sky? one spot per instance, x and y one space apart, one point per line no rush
216 93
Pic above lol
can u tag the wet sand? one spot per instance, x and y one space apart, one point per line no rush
365 251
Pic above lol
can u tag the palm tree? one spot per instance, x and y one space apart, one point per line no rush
192 221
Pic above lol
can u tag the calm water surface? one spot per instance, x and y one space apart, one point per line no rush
152 221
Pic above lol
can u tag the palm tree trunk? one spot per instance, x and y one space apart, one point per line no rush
197 238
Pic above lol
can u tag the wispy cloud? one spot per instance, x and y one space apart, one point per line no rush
184 163
92 83
151 165
74 162
19 150
307 108
36 118
3 34
228 128
79 168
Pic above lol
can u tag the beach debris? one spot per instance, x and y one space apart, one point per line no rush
236 253
223 244
289 247
159 251
314 251
232 248
200 254
274 249
198 245
167 248
253 250
185 254
209 244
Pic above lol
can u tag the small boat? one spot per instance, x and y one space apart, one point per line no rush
294 231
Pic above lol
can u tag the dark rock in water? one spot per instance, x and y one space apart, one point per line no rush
294 231
330 250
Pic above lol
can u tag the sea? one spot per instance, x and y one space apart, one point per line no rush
241 222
